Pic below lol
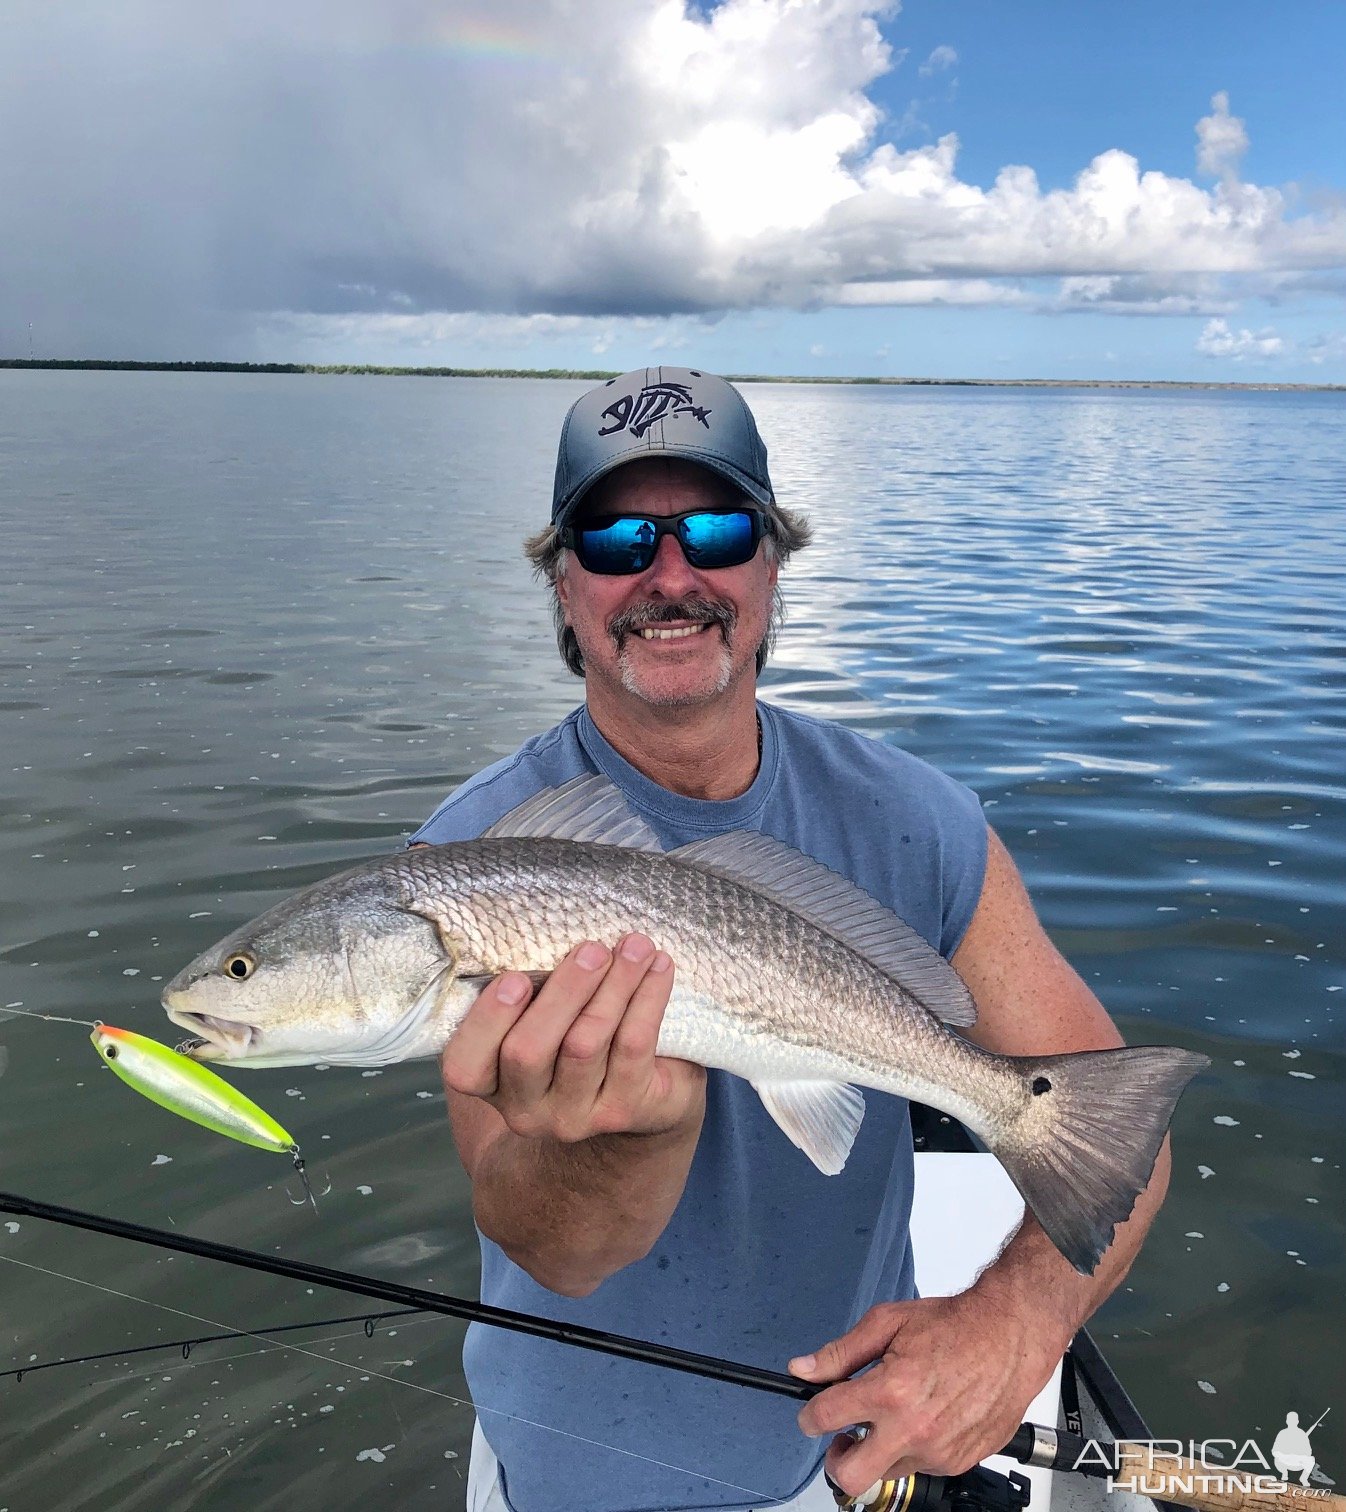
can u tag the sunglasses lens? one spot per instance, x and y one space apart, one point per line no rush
622 544
616 546
719 540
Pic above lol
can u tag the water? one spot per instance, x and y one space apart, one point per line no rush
254 627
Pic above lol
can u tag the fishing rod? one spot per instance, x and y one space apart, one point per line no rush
187 1345
729 1372
1032 1443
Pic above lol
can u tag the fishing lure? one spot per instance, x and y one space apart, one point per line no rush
193 1092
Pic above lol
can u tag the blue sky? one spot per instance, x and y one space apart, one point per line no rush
794 186
1051 85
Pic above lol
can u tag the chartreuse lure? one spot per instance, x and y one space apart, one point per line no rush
189 1090
193 1092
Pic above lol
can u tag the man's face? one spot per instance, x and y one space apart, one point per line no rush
719 617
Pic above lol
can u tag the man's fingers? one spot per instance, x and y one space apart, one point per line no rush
471 1059
528 1052
634 1044
582 1063
861 1346
855 1464
839 1407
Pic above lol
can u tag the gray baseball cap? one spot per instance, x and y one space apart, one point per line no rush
658 412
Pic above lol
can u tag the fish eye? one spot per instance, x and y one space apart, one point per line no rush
240 966
111 1052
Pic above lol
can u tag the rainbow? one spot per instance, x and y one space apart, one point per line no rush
488 41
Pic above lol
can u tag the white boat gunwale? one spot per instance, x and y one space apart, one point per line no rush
1090 1398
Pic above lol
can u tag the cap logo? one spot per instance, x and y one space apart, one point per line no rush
637 412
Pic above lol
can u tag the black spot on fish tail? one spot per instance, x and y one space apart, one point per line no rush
1082 1157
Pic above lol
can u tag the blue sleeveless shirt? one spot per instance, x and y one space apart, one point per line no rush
764 1257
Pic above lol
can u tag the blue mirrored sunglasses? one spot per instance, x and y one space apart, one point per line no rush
615 545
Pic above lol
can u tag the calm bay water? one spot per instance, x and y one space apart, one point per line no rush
252 628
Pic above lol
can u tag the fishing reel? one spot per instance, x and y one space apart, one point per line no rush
976 1490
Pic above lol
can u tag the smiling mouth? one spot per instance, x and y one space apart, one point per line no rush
664 632
216 1038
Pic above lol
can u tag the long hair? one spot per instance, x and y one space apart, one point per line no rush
787 532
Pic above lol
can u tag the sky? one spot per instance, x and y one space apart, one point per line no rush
945 189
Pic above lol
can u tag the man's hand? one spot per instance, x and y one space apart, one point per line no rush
577 1060
951 1381
577 1137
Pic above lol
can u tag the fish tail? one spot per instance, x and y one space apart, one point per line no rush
1085 1144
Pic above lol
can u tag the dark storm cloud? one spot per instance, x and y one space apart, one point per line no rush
175 180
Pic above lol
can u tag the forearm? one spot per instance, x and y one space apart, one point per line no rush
1032 1284
572 1215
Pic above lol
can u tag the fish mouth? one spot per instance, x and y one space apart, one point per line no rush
215 1038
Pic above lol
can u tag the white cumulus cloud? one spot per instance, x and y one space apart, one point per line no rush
1218 340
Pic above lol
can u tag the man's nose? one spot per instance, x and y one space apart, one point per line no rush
669 572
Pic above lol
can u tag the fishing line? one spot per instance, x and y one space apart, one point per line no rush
52 1018
187 1345
195 1363
378 1375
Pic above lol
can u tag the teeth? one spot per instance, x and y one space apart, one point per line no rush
652 632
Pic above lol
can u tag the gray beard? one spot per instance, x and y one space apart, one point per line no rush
697 611
631 682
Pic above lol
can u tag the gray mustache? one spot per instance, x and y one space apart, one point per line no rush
692 611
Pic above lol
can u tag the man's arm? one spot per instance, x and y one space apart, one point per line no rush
576 1136
1037 1004
955 1374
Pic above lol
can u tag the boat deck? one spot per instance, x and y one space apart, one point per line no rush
964 1208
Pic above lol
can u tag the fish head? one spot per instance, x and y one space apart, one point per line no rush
328 975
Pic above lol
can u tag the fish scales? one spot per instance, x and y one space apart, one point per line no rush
522 904
785 974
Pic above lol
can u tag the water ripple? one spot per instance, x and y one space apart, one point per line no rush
1115 615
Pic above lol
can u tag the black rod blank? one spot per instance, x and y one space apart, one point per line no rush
187 1345
728 1371
1062 1450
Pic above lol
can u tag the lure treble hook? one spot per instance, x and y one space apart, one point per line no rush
302 1173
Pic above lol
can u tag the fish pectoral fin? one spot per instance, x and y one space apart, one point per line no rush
461 967
821 1118
480 979
401 1040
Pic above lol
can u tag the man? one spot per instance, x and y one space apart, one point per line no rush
646 1196
1292 1452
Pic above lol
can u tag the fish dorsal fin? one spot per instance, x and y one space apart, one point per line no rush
825 898
588 808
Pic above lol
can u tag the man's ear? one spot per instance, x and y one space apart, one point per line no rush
563 595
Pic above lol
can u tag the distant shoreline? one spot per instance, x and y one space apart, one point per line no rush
364 370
